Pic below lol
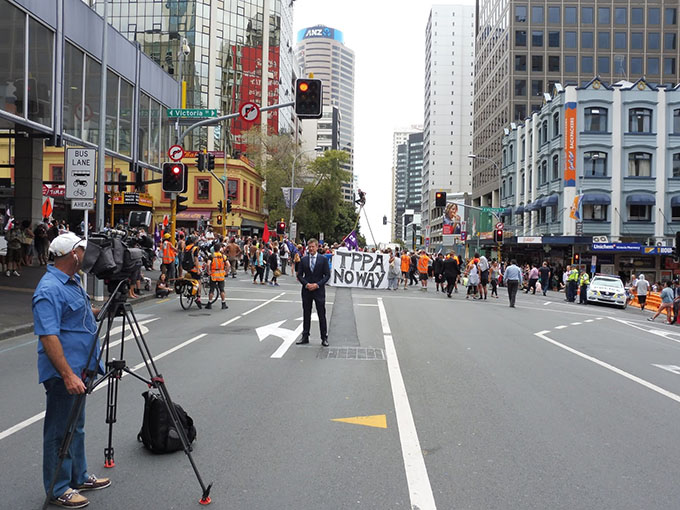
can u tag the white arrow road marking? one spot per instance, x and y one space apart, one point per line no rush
668 335
671 368
287 335
315 317
128 333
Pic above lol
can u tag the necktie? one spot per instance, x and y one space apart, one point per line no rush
312 263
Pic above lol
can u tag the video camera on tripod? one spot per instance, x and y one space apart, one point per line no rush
109 257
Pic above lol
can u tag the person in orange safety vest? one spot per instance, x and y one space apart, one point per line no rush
219 266
169 253
423 262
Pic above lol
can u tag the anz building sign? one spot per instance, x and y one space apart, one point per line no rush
320 31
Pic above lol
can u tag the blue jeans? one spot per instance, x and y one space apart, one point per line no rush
73 470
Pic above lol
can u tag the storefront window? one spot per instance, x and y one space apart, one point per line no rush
154 133
40 48
12 42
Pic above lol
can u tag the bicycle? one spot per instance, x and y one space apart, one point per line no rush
187 288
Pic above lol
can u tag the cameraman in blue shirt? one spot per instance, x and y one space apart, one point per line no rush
65 323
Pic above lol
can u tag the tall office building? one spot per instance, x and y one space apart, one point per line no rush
524 48
237 51
321 50
407 178
447 139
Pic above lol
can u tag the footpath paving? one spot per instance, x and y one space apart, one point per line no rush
16 292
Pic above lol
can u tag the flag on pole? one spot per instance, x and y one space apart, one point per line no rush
575 209
265 234
47 207
351 240
291 246
166 220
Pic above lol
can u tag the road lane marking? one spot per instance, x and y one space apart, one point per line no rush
642 382
365 304
266 302
287 342
658 332
376 420
230 321
589 320
560 327
547 303
575 323
420 490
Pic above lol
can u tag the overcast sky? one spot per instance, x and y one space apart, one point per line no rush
388 39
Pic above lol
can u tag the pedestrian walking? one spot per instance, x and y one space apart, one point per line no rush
438 271
405 268
667 298
413 269
314 272
483 269
423 265
168 256
512 278
544 276
274 266
233 253
642 288
450 273
533 279
494 274
473 279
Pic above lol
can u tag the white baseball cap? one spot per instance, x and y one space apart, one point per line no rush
66 243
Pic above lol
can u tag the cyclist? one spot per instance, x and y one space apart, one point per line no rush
219 266
191 263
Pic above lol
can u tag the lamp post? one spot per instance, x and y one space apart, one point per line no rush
292 182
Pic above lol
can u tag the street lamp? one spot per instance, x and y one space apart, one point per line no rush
498 171
292 181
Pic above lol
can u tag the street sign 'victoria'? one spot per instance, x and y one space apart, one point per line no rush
191 113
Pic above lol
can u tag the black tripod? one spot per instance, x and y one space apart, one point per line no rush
117 306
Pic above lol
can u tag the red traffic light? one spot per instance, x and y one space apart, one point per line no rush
176 170
304 86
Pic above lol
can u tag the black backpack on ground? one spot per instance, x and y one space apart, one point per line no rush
158 433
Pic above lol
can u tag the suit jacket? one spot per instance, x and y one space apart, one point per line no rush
320 275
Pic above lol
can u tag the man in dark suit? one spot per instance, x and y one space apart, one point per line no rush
313 273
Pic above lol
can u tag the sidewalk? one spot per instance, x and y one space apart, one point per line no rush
16 293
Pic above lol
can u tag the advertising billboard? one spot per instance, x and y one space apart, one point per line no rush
454 214
570 147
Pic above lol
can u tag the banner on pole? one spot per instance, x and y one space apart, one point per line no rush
297 192
359 269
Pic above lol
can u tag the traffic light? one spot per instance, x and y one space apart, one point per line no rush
440 199
219 219
308 98
498 235
174 178
384 220
228 205
576 258
200 161
181 207
211 161
281 228
219 206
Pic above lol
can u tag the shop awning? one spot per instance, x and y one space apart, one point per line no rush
250 223
596 198
551 200
532 206
640 199
519 209
194 214
675 201
508 211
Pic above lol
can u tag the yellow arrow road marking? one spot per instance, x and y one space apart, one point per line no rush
377 420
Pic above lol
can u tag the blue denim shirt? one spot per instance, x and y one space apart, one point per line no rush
62 308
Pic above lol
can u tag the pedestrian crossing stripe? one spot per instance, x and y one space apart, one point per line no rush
378 421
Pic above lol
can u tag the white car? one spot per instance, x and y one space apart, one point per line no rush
606 288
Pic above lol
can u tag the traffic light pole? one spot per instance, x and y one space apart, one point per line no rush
173 216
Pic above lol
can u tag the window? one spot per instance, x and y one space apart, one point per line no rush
556 125
637 16
520 88
570 40
586 39
671 14
675 213
544 136
596 120
543 175
554 39
603 16
520 62
602 65
570 64
639 212
555 168
676 121
653 16
537 14
586 15
232 189
537 38
57 172
554 15
537 63
620 16
636 66
595 164
668 66
587 65
669 39
520 112
536 88
554 63
639 164
676 164
521 13
570 16
520 37
653 65
595 212
653 41
640 120
620 40
202 189
636 41
603 40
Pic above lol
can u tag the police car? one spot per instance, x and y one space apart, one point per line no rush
607 288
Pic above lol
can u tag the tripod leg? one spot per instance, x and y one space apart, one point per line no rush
111 407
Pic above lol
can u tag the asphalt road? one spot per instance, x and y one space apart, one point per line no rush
475 406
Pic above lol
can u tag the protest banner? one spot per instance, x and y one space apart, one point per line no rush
359 269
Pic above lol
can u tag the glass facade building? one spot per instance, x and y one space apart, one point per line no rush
524 48
239 50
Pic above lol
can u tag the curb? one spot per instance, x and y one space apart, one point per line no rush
23 329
